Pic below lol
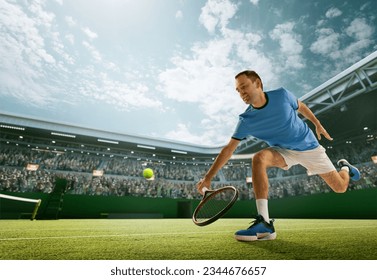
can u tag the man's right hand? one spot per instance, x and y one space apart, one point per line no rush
203 184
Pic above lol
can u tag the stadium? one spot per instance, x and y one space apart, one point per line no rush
85 186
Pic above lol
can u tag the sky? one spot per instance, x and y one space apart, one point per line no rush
165 68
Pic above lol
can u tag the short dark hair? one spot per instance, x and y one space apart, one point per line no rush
252 75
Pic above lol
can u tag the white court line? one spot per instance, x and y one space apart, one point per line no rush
155 234
106 235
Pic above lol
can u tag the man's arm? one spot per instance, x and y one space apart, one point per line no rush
219 162
308 114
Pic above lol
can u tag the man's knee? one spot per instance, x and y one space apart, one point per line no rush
261 158
268 158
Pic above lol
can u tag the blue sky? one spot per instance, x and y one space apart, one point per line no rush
165 68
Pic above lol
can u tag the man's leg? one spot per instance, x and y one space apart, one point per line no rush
261 162
262 228
339 181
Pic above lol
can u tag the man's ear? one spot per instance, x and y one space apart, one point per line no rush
258 83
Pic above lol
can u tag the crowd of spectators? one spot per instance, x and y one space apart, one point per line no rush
122 176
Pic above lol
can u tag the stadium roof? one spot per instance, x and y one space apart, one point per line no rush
346 106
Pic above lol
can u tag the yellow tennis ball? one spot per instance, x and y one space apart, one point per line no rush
147 173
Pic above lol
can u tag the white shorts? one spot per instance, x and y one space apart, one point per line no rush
315 161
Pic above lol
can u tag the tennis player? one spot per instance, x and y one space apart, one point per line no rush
272 117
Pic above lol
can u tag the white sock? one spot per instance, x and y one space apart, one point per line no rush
262 208
345 168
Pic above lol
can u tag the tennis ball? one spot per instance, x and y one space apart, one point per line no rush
147 173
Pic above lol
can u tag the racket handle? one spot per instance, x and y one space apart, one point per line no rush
204 189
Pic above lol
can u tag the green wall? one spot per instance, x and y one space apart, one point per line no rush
358 204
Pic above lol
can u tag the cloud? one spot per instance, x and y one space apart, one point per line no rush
91 35
339 50
42 17
217 13
333 13
278 12
23 53
327 43
200 78
96 55
365 6
70 21
70 38
254 2
182 131
248 50
362 34
359 29
36 66
179 15
290 45
99 87
205 79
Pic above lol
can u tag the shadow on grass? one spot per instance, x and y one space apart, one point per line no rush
281 249
307 249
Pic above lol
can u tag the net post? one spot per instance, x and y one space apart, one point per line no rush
36 209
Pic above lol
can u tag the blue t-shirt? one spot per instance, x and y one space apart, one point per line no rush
277 123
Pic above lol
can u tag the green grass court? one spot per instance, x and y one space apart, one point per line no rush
180 239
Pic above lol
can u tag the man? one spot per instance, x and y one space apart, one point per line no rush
271 116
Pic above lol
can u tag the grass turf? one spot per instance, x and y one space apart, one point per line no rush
180 239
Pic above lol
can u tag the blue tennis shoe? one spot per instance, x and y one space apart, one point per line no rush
259 230
353 171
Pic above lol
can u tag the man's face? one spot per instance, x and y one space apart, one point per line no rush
246 88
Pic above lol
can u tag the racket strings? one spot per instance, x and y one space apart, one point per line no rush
214 205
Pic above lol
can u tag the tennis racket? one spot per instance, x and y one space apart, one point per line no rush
214 204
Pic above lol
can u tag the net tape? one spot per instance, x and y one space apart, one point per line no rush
19 198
